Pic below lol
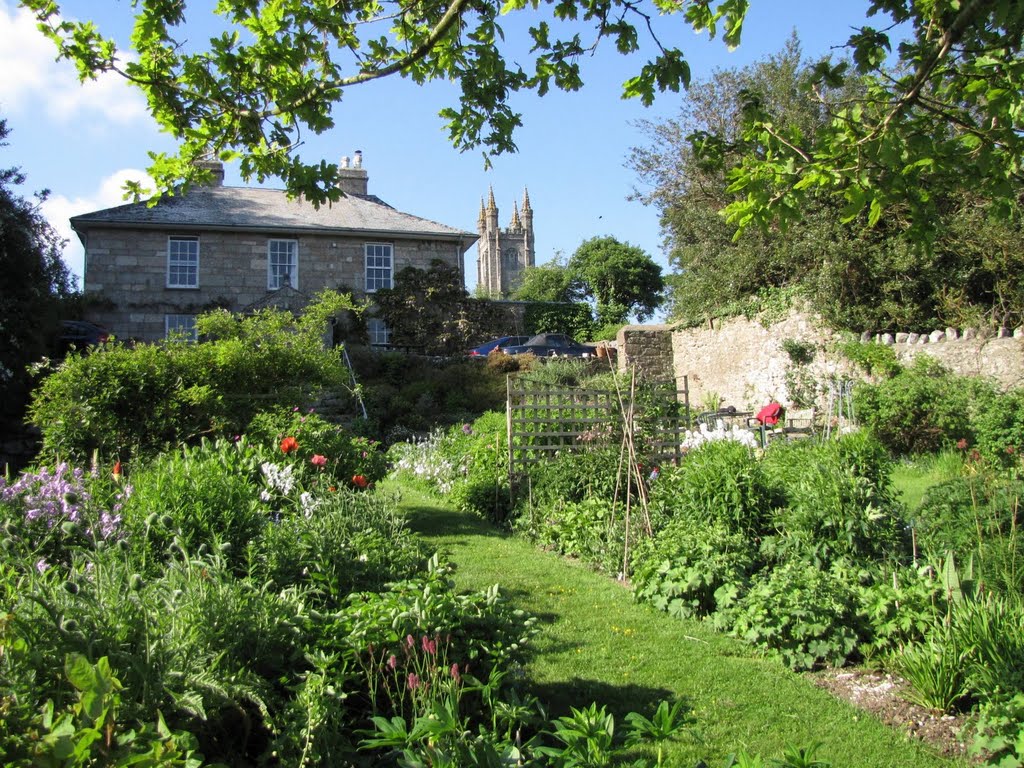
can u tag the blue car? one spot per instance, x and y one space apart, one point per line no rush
496 344
551 345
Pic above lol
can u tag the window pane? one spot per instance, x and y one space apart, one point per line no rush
183 262
283 263
380 334
180 327
378 266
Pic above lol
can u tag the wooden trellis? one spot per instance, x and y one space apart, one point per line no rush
544 420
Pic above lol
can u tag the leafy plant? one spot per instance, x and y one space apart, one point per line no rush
919 410
999 737
935 672
690 570
804 614
874 359
88 730
122 399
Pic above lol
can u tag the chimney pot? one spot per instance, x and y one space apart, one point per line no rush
358 158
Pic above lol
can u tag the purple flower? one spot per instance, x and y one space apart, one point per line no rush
467 429
42 565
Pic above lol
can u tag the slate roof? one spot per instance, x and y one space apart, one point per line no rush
250 208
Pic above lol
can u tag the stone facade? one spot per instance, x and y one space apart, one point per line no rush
128 251
503 254
128 271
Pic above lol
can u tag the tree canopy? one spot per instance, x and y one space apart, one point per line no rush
35 281
950 110
620 278
858 274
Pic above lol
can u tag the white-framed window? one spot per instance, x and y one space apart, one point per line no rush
182 262
379 266
378 331
180 327
282 264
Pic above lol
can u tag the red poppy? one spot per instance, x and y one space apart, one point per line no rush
289 444
359 481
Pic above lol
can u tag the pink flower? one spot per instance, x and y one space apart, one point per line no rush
392 662
409 641
414 681
318 460
429 646
455 672
961 444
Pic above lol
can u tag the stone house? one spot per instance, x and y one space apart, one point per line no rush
150 270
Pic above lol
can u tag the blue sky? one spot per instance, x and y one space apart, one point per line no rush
81 143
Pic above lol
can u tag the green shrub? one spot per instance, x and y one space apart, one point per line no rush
721 484
119 400
899 607
591 529
341 455
874 359
204 497
997 425
999 739
805 614
575 476
692 570
836 502
975 655
920 409
351 542
976 516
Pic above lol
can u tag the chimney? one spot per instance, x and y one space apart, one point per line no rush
216 169
353 180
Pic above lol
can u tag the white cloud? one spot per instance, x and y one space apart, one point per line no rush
58 209
33 79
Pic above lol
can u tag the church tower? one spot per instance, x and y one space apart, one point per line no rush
503 254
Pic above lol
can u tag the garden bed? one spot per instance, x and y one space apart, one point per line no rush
880 694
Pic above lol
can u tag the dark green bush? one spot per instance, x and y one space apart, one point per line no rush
118 400
692 570
203 497
919 410
835 501
875 359
805 614
344 455
976 517
997 425
351 542
720 483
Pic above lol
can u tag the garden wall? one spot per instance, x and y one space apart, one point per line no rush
746 364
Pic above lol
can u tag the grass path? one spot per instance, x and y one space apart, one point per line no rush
596 644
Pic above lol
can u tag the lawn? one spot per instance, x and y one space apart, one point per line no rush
597 644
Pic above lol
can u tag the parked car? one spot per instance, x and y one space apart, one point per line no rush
81 334
489 346
551 345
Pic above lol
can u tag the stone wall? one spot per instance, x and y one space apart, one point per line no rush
971 352
649 348
745 364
